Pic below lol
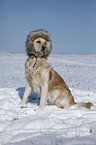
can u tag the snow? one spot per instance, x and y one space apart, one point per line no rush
28 125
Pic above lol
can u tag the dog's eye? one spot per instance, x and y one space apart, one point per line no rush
38 42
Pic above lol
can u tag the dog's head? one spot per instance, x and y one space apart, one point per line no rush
38 43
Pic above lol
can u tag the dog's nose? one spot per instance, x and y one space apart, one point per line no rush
43 47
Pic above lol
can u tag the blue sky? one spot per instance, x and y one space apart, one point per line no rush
71 24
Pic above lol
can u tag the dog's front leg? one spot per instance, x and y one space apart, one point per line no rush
27 92
43 98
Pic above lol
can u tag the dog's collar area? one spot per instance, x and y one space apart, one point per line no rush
36 55
35 62
32 56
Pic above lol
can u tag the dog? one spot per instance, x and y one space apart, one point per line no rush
42 78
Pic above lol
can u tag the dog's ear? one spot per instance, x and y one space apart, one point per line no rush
38 34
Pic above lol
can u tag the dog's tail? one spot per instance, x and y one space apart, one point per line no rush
81 104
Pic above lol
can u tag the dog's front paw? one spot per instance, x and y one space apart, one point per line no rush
23 102
40 107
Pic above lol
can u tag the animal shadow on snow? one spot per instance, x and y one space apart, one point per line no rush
33 98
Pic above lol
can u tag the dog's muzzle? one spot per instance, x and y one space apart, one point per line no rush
43 48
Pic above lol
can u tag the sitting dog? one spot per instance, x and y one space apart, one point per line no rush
42 78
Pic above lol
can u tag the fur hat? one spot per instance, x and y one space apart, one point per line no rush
34 35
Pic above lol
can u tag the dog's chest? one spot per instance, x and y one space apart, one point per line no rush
35 75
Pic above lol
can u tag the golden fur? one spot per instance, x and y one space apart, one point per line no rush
42 78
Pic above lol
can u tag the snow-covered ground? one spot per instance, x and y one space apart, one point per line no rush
29 125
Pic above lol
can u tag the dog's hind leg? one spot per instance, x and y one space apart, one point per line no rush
62 103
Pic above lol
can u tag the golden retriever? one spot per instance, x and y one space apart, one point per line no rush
42 78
